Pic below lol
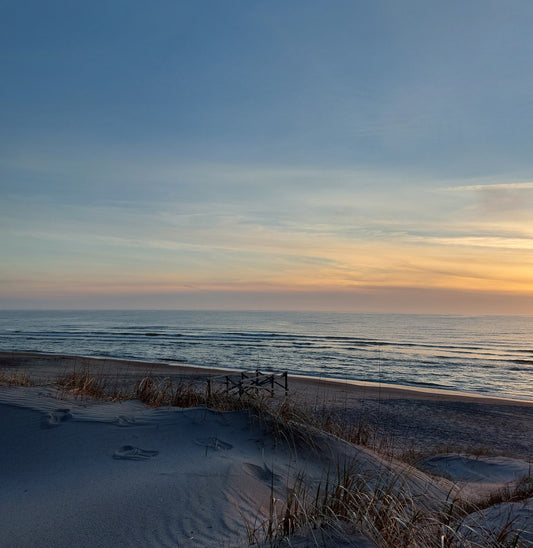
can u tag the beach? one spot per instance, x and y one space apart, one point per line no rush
83 472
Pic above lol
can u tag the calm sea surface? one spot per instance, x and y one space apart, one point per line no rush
485 355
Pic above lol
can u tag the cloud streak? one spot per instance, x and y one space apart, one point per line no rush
493 186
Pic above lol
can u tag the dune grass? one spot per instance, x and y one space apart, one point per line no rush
16 379
83 383
154 391
381 507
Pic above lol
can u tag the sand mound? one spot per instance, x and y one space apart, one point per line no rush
83 473
122 474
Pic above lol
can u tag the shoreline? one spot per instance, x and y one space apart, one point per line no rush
405 418
392 390
367 388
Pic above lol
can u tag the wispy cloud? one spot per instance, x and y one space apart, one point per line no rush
221 227
490 186
502 243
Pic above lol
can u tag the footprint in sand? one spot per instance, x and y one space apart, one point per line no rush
56 418
213 443
123 420
129 452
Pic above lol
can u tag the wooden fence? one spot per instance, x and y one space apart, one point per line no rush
249 382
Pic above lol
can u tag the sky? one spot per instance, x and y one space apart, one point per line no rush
305 155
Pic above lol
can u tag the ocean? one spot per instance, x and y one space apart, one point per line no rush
488 355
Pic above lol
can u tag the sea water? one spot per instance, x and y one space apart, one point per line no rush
489 355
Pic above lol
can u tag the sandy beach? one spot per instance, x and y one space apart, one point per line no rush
80 472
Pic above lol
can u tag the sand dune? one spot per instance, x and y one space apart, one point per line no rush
123 474
76 472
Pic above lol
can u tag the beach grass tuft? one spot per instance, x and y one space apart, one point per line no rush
84 383
16 379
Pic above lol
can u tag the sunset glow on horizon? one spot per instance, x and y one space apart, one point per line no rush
267 156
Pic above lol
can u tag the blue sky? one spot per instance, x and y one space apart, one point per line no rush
367 156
